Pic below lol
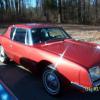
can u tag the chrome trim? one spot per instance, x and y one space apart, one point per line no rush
52 67
78 86
26 43
95 88
30 37
14 33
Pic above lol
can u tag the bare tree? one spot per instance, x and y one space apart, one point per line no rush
68 11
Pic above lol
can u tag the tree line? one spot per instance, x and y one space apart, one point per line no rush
14 10
57 11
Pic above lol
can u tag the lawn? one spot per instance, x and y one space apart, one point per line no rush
86 35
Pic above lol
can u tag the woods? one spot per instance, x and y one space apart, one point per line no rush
56 11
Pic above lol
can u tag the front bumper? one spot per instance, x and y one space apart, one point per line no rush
95 88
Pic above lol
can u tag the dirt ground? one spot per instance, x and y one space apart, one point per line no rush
80 32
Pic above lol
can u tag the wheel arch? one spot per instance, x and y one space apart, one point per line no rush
42 65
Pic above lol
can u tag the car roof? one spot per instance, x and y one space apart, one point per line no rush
34 25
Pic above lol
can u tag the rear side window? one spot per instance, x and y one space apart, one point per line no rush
20 35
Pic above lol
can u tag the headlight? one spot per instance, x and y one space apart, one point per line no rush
95 73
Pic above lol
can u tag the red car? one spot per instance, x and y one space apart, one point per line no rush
49 50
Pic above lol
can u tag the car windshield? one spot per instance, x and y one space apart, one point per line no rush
47 34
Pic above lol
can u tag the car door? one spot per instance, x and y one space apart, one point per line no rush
6 43
19 45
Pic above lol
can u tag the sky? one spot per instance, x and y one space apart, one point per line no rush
31 3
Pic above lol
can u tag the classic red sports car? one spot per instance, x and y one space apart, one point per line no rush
49 50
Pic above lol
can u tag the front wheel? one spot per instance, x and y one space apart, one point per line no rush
3 56
51 82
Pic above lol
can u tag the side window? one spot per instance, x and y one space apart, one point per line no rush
36 36
20 35
12 32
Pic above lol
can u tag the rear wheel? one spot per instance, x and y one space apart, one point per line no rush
3 56
51 82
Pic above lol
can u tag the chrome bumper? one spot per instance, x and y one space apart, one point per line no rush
95 88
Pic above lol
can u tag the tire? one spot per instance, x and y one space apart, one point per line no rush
3 56
51 82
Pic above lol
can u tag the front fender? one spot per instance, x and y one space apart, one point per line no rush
85 79
70 71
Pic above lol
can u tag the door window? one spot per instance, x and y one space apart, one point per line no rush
20 35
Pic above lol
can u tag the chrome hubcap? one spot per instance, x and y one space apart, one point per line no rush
51 82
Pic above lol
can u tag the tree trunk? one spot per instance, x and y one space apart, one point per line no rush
60 11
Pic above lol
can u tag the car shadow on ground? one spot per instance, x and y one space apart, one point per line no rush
27 86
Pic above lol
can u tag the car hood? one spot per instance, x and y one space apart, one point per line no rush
83 53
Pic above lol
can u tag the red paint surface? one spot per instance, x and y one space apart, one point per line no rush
78 58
